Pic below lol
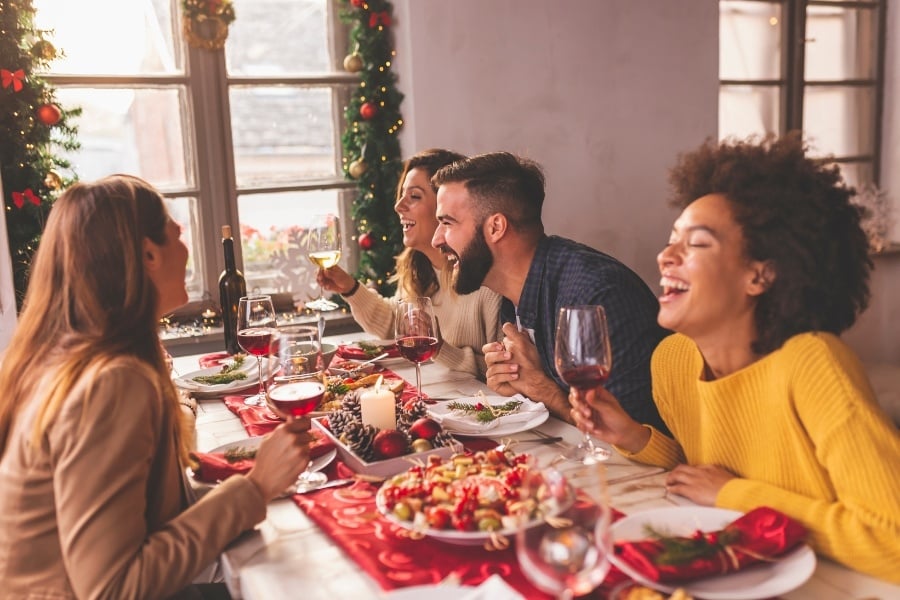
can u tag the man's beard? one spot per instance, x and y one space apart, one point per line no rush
473 264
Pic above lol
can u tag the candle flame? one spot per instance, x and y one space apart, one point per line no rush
378 383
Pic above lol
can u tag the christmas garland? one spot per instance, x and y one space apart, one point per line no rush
33 127
371 150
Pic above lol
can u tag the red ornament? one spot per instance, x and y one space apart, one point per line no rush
357 3
366 242
12 78
377 18
368 110
19 198
48 114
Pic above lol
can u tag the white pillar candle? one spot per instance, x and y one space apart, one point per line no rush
378 407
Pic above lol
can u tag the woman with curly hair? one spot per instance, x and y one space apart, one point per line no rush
765 267
93 499
467 322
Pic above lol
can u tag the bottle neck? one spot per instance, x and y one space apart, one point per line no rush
228 245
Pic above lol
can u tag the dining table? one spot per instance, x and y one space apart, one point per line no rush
289 555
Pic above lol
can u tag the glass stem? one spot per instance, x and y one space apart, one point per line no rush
418 383
262 382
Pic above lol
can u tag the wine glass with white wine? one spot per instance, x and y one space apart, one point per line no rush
323 247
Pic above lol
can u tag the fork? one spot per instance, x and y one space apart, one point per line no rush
539 441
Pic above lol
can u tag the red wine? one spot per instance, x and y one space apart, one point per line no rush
417 349
231 287
255 340
297 398
586 377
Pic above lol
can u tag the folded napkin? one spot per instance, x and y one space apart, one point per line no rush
214 467
762 534
467 423
213 360
257 420
354 352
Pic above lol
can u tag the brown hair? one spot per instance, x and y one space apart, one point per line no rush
90 300
795 213
415 275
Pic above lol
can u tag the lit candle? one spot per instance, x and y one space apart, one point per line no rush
209 314
378 407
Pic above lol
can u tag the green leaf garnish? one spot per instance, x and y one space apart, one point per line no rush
228 373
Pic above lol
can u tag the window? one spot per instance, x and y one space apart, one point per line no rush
810 65
248 135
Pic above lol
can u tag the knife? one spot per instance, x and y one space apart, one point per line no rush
327 484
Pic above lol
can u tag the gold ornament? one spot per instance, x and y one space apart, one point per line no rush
357 168
43 49
52 180
353 63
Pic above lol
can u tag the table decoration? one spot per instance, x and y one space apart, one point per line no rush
378 407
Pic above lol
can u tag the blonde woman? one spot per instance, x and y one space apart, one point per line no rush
93 502
467 322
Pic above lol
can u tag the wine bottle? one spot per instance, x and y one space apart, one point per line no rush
231 287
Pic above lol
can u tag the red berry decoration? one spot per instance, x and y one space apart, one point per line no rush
368 110
48 114
366 242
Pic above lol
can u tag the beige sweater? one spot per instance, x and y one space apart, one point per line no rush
99 508
467 323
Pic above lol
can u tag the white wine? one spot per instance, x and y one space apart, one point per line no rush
325 259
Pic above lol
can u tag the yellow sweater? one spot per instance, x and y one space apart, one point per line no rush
802 431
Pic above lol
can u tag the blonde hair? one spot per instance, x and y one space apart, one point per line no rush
89 302
415 274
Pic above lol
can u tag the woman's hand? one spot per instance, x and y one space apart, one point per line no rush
598 412
281 457
700 483
335 279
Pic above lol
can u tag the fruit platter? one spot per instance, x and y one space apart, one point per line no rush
479 498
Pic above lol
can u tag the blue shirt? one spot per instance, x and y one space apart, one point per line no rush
566 273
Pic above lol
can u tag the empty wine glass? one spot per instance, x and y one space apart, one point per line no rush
256 320
416 333
583 360
567 555
323 248
296 390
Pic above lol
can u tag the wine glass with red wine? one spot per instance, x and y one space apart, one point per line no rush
416 334
256 320
583 360
296 389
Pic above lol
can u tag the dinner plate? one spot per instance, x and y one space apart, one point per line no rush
203 390
388 345
432 591
317 464
763 580
537 415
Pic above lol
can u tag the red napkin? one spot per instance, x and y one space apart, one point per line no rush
760 535
214 467
354 352
257 420
213 360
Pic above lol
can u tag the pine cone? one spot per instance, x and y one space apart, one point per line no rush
444 438
338 421
358 438
350 404
411 413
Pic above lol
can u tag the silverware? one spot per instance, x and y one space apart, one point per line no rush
327 484
540 441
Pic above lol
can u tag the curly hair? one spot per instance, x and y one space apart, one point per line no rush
415 275
795 214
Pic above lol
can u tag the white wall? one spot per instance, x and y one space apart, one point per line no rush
602 93
7 288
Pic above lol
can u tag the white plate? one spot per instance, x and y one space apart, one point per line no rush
440 411
203 390
432 591
763 580
317 464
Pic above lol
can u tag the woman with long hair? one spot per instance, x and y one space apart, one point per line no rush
93 500
467 322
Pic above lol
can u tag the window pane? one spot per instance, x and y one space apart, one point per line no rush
839 120
137 36
137 131
746 110
184 212
856 174
282 134
750 36
841 43
278 37
272 243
